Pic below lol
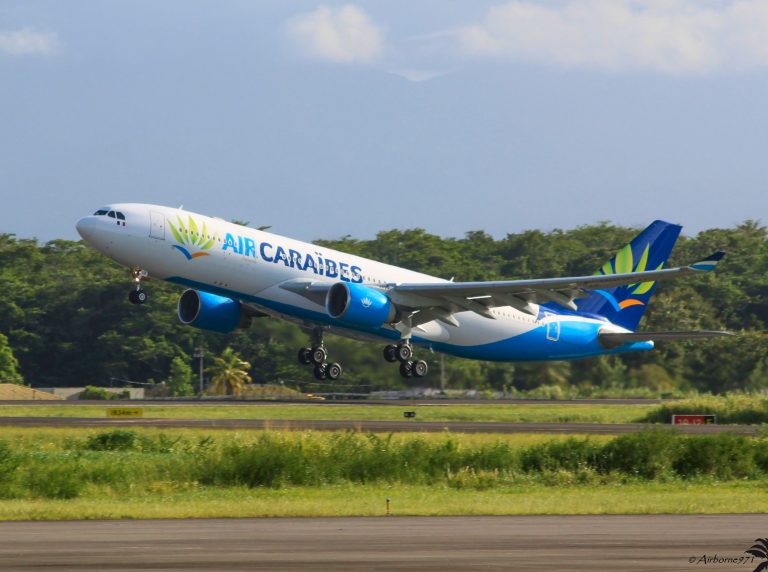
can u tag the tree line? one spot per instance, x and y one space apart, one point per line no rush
65 319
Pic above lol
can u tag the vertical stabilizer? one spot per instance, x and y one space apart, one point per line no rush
625 305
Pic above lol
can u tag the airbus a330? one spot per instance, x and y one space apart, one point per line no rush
235 273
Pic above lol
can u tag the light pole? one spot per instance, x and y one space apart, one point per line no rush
200 354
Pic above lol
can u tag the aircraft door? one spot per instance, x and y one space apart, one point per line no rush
553 327
157 225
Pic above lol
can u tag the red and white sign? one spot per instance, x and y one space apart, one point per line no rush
693 420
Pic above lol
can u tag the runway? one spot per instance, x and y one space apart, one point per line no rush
373 426
528 543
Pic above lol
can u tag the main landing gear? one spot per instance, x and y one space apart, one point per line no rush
138 295
316 356
403 352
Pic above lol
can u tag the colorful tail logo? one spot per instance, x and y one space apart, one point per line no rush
192 236
625 305
621 264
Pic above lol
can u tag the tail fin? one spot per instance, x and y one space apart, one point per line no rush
625 305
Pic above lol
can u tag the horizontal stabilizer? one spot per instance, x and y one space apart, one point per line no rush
610 340
709 263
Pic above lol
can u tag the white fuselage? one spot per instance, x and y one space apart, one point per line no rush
249 265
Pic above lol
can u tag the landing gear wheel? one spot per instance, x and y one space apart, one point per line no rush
320 372
406 369
333 371
390 353
137 296
304 358
404 352
317 355
420 368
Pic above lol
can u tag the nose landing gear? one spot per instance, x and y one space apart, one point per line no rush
138 295
316 356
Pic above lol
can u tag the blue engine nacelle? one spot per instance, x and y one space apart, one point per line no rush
359 305
209 311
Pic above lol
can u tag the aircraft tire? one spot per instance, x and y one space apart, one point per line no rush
333 371
320 372
304 356
390 353
404 352
318 355
420 368
141 296
406 369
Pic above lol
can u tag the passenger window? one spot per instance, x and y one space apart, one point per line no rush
120 216
111 214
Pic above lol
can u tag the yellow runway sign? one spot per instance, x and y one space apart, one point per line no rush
125 412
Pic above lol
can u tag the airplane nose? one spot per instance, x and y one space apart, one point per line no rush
85 227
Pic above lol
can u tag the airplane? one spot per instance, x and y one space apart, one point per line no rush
235 273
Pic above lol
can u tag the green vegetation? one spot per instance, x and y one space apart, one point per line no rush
99 393
730 409
122 461
487 412
179 381
748 409
9 365
229 374
418 500
85 473
67 320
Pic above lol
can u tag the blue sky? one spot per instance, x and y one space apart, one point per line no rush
324 119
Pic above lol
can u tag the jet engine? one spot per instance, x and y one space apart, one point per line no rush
359 305
210 312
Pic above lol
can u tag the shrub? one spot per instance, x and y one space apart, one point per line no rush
102 394
722 456
116 440
54 480
572 455
649 454
9 464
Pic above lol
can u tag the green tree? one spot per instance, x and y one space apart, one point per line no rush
9 365
229 373
179 382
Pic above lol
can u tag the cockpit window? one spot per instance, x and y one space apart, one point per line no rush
100 212
120 216
111 214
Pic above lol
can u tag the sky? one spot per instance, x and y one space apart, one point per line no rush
326 119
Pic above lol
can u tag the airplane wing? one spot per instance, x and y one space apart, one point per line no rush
425 302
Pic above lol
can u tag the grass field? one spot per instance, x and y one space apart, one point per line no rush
370 500
75 473
514 413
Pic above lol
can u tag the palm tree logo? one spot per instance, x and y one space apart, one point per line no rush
191 236
760 549
623 263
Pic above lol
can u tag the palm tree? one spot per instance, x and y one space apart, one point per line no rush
229 373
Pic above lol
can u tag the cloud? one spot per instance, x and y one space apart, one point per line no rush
668 36
341 35
27 42
418 75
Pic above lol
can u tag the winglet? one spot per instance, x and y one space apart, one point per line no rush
709 263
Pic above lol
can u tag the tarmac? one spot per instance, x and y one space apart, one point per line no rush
445 544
